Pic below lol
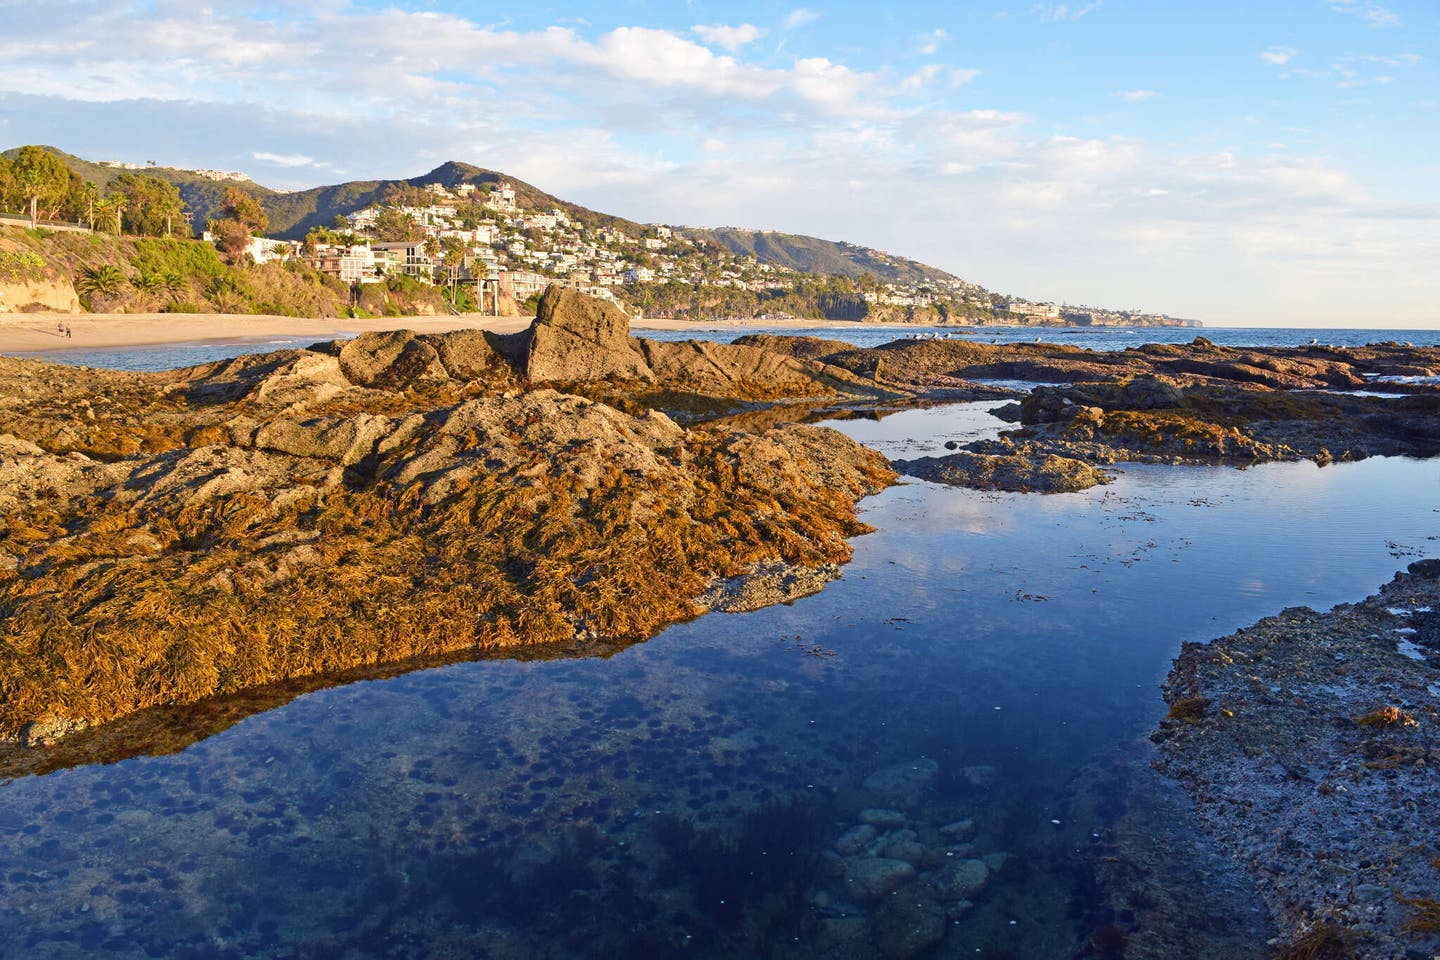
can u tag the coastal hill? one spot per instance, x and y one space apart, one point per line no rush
293 214
497 223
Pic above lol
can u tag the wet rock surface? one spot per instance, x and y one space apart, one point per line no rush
1043 473
1308 742
1156 420
396 495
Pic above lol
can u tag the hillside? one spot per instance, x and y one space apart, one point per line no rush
292 215
813 255
201 194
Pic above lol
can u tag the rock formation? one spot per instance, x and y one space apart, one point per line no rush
168 537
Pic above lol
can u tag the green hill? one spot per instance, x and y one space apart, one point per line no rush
292 215
812 255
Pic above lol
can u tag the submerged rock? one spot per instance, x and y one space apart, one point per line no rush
904 782
854 840
872 877
960 880
882 817
907 927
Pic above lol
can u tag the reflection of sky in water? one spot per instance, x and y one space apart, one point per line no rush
1024 632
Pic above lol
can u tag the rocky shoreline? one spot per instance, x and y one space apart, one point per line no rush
1308 743
1195 403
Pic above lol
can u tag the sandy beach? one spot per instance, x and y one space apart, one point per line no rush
23 333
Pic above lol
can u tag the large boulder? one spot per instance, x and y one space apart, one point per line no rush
731 370
577 338
393 359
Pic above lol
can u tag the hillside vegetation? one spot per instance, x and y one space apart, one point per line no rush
158 275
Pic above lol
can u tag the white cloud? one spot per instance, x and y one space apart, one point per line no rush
1136 96
1057 12
960 76
729 38
285 159
922 78
1372 13
1279 56
930 43
799 17
1394 60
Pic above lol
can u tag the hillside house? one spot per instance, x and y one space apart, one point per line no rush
408 257
354 264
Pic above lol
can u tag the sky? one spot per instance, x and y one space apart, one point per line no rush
1269 163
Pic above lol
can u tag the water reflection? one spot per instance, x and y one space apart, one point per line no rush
693 795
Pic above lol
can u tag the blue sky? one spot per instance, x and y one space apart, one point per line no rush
1242 163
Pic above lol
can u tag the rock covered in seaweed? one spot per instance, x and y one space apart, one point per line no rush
168 537
1045 473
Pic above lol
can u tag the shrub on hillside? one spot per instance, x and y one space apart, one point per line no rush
21 266
184 258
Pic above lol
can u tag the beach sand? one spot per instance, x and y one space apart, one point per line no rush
26 332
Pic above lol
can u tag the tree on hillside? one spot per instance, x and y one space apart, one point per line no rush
405 195
152 206
7 186
40 177
246 209
109 213
391 224
243 218
80 200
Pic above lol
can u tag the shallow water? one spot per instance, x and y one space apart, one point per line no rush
677 798
172 355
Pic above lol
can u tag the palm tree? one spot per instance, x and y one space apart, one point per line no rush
174 284
100 283
150 284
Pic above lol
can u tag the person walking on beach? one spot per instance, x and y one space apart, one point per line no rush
59 329
68 332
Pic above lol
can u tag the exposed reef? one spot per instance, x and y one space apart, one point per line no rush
1308 742
1189 403
1044 473
169 537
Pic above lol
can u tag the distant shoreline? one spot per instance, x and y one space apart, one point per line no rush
32 332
